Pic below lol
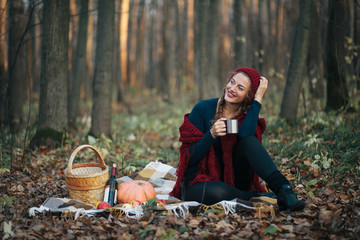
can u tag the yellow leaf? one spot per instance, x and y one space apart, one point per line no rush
7 230
4 170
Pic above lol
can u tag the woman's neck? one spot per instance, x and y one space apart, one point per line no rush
230 110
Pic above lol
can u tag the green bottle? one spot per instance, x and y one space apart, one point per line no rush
112 183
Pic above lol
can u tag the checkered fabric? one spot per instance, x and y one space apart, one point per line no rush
162 177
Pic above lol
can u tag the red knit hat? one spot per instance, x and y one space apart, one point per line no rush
253 75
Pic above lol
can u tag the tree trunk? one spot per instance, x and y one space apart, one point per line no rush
356 63
128 44
3 77
150 79
178 50
251 43
337 92
101 109
117 56
212 68
139 49
196 48
165 66
32 48
314 58
260 24
200 73
278 6
53 117
298 62
184 40
17 64
79 63
238 34
90 49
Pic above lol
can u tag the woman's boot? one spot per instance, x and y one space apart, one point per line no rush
287 200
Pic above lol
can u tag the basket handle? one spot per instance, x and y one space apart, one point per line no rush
79 148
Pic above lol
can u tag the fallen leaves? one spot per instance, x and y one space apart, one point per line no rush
333 200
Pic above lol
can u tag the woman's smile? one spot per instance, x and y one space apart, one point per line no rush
237 88
230 94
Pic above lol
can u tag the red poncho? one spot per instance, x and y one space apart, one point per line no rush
209 168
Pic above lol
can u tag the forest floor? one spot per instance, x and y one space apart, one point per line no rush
321 157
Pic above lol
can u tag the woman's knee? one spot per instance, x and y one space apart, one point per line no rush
248 139
247 142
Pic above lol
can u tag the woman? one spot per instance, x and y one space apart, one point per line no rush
216 166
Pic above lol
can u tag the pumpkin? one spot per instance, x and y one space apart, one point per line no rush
135 190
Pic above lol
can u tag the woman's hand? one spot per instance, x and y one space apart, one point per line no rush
219 128
261 89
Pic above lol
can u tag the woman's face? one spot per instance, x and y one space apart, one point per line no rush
237 88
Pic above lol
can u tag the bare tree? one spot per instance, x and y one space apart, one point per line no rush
79 63
356 63
238 32
139 49
17 65
295 75
165 66
200 60
3 77
212 79
90 50
102 85
314 59
128 44
117 57
337 92
53 117
151 45
183 39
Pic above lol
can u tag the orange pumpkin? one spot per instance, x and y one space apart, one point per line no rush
135 190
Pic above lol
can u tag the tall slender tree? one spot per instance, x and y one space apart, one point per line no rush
165 66
200 60
90 49
79 63
117 56
337 92
178 48
184 42
356 63
212 51
102 85
53 117
296 71
139 48
151 39
238 32
314 59
3 78
129 43
17 65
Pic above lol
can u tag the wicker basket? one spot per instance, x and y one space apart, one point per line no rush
87 181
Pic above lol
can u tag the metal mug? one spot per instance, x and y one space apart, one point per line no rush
232 126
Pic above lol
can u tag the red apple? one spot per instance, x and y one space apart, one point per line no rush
161 201
102 205
135 203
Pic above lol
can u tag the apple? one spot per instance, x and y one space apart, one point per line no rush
102 205
135 203
161 202
127 205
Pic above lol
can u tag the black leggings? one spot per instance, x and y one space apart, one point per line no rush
249 155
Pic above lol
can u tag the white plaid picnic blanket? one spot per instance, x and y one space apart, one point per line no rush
162 177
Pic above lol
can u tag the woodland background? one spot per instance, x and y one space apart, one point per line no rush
120 74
